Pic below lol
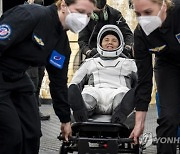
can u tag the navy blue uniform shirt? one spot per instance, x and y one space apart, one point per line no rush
32 35
164 42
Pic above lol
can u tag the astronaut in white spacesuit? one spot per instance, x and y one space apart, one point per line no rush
103 81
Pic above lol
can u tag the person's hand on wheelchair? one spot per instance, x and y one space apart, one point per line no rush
66 130
139 126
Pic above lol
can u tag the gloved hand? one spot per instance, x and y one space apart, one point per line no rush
128 51
91 53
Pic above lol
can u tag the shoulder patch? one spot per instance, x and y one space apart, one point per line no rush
119 21
178 37
5 31
57 59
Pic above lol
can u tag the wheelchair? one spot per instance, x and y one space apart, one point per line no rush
99 136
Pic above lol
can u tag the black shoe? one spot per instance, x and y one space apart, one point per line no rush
43 117
80 115
118 117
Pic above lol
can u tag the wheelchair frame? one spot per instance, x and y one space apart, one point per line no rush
99 138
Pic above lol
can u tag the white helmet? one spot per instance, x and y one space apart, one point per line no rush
113 53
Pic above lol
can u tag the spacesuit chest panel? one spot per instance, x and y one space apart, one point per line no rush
109 73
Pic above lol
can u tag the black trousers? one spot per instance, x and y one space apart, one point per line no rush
168 86
19 119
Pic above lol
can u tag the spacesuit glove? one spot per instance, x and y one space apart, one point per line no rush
128 51
66 130
91 53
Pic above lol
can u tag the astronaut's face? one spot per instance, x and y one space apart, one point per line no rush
110 42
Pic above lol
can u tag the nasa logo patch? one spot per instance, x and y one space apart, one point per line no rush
5 31
57 59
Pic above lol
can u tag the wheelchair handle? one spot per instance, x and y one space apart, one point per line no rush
126 140
120 140
61 138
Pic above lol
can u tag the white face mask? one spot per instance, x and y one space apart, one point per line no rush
76 21
150 23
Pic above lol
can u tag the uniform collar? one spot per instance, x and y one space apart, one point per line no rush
54 14
167 23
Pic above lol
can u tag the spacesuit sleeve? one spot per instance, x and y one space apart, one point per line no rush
15 25
133 66
134 77
81 76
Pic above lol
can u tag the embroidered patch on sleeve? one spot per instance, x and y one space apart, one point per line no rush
57 59
5 31
178 37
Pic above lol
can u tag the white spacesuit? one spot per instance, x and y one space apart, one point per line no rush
107 78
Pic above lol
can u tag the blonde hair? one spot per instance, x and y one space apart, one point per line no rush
58 3
169 3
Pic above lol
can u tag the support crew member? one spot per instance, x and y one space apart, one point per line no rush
158 33
103 15
34 35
